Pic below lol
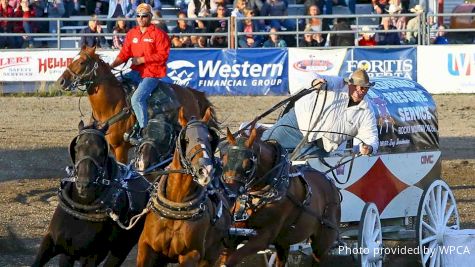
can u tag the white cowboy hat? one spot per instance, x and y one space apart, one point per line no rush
417 9
366 30
393 9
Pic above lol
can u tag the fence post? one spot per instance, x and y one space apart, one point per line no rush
232 33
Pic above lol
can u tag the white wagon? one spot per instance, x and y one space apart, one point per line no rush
397 194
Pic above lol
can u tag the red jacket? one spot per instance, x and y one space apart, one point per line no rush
364 42
153 45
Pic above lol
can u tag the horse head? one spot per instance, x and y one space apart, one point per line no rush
89 152
82 71
195 146
158 145
240 161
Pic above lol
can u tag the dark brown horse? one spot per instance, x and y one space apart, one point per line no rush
284 205
81 228
188 222
108 98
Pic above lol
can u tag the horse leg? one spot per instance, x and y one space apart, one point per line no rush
255 244
282 254
66 261
146 256
190 259
46 252
121 153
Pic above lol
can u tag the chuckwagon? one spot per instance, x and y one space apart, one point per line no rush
398 193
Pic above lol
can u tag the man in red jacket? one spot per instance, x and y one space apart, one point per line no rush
149 48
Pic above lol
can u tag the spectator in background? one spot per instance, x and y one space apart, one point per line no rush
255 5
278 8
414 25
315 23
182 27
117 8
250 40
238 12
274 40
71 8
441 38
202 42
158 21
312 38
120 28
380 7
219 41
7 11
398 22
201 9
387 38
93 28
27 13
222 22
367 37
55 10
342 39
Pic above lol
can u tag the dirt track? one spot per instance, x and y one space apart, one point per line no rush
35 133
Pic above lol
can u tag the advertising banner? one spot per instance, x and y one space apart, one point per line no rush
230 72
305 63
34 66
405 114
398 62
447 69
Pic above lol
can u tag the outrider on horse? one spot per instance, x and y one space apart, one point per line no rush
190 219
283 204
110 102
97 188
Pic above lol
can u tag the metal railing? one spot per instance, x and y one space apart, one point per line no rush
232 34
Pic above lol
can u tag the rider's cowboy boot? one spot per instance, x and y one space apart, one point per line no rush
134 137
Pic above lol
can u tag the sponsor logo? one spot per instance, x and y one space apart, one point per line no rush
181 73
13 61
313 65
427 159
461 64
389 67
148 40
135 40
47 64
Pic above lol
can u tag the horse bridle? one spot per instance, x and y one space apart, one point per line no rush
185 157
236 152
79 79
101 177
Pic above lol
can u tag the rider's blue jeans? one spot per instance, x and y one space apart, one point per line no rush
287 133
145 87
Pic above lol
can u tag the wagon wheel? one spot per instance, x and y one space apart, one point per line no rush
437 213
370 239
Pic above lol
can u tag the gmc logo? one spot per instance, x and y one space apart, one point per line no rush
427 159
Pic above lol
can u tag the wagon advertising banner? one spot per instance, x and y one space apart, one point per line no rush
447 69
398 62
405 115
305 63
231 72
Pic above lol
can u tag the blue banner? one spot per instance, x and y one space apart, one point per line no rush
405 114
230 72
398 62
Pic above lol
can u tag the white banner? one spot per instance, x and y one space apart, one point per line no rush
446 68
304 63
31 66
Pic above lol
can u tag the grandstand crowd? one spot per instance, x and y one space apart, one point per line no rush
191 26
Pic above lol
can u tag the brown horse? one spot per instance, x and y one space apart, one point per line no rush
189 222
284 205
108 97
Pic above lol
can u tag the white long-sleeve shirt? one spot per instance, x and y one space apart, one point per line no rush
358 120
